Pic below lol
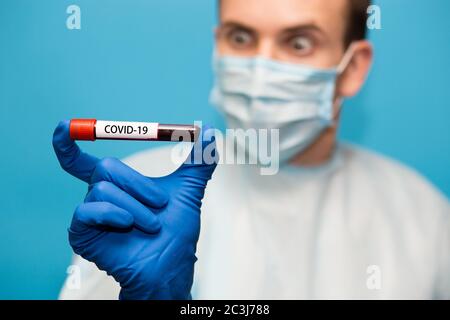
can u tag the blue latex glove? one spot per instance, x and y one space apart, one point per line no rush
142 231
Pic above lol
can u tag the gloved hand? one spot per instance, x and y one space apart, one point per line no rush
142 231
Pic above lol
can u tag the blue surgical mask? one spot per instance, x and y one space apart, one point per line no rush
258 93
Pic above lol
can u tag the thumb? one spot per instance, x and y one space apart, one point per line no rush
199 166
70 157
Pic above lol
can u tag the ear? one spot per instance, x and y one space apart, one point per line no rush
353 78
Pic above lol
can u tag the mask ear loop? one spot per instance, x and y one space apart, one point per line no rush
348 56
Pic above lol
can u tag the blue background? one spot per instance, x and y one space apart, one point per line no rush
150 61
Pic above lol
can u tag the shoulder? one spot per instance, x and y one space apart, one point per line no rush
392 180
405 205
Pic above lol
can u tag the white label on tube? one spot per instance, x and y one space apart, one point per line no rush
126 130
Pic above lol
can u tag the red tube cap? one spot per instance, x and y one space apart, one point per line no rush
82 129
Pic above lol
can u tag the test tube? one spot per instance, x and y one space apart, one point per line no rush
92 129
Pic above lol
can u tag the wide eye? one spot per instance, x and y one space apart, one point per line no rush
240 39
300 45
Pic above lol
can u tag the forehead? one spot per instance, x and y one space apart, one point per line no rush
275 15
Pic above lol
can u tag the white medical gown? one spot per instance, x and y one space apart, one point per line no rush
359 227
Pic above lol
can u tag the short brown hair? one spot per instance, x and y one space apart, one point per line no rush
357 21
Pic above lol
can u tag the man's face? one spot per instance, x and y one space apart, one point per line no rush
297 31
309 32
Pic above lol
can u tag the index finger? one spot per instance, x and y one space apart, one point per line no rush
79 164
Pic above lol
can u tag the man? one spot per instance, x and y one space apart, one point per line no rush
334 222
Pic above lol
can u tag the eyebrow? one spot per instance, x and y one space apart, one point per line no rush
293 29
303 27
233 24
